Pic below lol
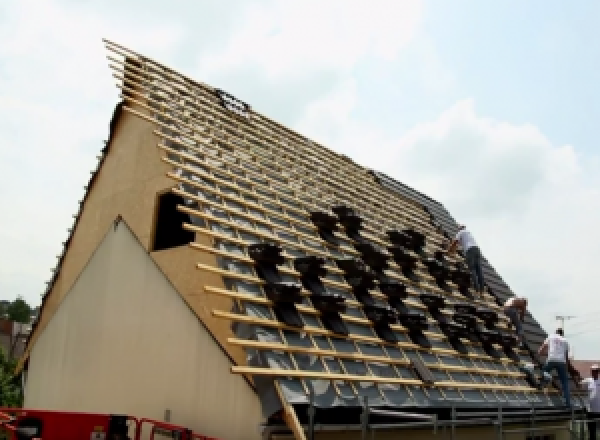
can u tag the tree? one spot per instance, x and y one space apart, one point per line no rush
11 394
19 311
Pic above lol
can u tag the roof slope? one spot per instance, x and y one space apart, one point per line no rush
339 288
534 333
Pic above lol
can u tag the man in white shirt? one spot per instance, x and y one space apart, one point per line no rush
557 349
472 254
592 385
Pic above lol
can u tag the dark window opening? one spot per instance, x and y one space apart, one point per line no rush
169 232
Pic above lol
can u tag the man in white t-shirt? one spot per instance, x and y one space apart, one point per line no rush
592 386
557 349
472 254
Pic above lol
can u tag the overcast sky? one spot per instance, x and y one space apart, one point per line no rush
489 107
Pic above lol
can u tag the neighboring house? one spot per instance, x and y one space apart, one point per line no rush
34 313
3 305
13 336
584 367
164 304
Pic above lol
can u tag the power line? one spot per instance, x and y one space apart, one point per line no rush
584 332
582 325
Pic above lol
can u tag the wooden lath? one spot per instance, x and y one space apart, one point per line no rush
259 345
425 227
318 375
383 196
312 311
286 270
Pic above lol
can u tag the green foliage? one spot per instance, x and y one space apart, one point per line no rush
10 386
18 310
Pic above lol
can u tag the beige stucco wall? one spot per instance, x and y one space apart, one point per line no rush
124 341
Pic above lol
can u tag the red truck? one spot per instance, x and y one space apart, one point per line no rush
29 424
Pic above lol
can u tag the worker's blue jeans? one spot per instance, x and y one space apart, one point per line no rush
473 257
561 370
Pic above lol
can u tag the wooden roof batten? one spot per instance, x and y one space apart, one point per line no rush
121 77
229 199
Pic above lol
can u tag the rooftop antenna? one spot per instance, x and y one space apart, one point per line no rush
562 319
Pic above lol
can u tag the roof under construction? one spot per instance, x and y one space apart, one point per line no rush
342 295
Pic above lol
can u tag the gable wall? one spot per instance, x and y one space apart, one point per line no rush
123 341
127 183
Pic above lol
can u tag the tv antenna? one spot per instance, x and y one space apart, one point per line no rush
562 319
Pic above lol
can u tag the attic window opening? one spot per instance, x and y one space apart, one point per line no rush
168 231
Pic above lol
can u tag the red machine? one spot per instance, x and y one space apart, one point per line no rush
25 424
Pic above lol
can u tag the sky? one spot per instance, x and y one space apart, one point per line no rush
488 107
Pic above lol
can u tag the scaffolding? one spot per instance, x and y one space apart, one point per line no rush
574 421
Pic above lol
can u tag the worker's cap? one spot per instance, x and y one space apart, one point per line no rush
594 367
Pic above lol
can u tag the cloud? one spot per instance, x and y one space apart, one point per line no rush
533 206
297 38
57 92
56 96
296 52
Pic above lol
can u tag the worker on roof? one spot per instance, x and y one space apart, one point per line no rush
556 348
592 386
472 254
515 309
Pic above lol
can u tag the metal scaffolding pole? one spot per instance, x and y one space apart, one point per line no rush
364 417
532 422
499 423
365 426
453 427
311 416
532 418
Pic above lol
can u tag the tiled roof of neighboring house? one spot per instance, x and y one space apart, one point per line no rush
584 367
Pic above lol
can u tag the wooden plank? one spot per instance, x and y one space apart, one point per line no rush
306 309
303 374
288 271
339 185
289 415
273 346
237 317
363 172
